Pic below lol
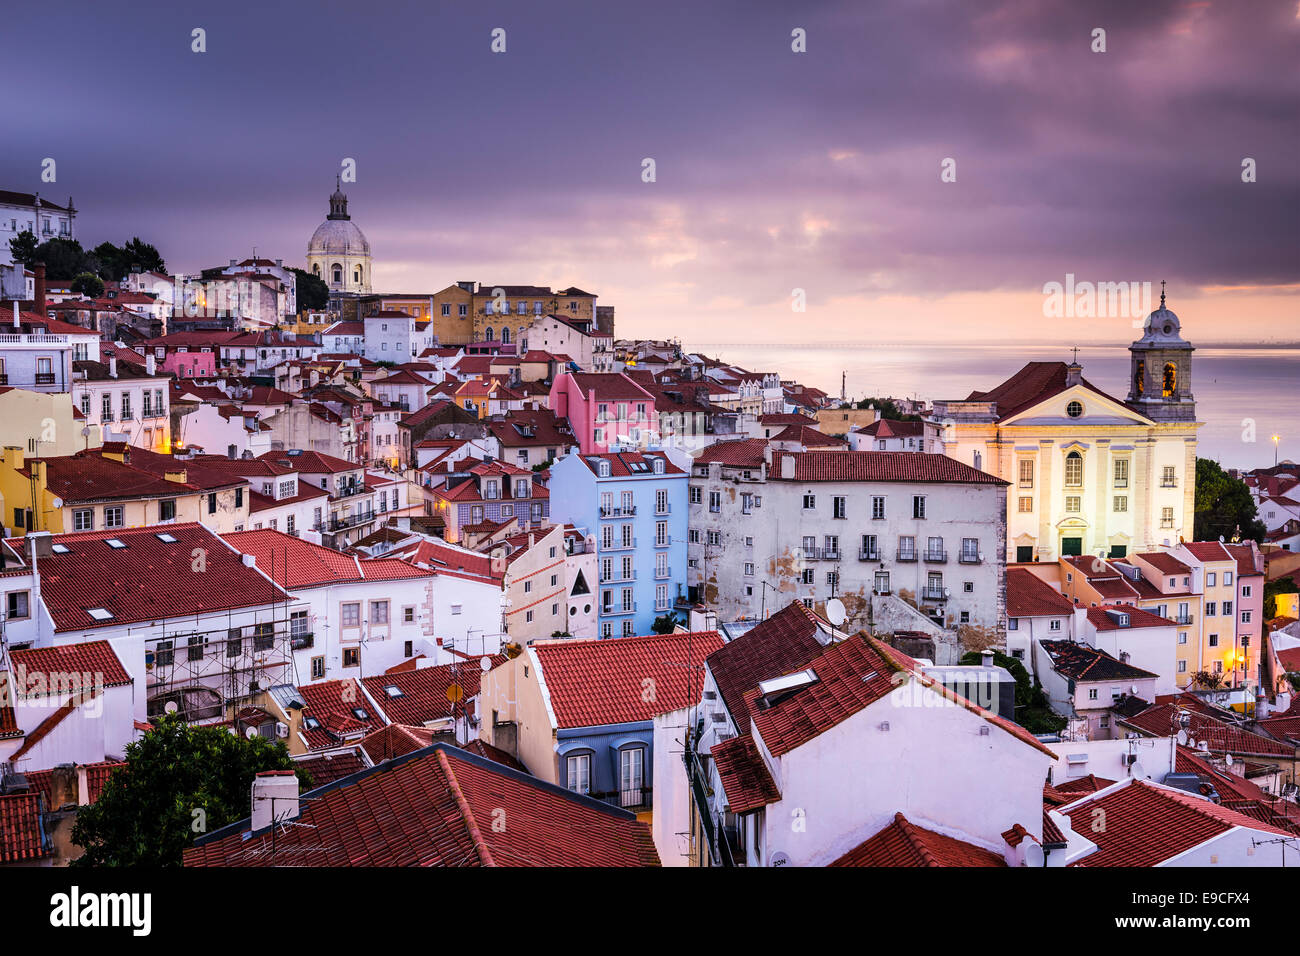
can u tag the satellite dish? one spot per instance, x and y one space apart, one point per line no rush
836 614
1137 771
1220 539
1033 854
250 733
170 707
1182 738
485 663
780 859
1228 760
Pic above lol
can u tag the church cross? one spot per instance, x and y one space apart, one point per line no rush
1075 350
1162 293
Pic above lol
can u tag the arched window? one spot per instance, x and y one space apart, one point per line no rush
1140 377
489 335
315 269
505 336
356 275
1074 469
1171 379
337 271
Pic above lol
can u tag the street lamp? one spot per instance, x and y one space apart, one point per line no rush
1275 439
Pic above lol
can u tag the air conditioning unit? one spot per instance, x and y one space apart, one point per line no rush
281 730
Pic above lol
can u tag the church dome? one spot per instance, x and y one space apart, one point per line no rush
1162 326
338 237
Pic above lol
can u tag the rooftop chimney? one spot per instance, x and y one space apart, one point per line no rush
112 366
275 798
150 364
986 657
17 319
39 269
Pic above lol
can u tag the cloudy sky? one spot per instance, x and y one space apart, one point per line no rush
775 170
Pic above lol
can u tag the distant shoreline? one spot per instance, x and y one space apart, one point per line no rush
984 344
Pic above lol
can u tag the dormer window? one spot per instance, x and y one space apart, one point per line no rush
603 468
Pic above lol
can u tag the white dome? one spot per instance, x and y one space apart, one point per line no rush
338 237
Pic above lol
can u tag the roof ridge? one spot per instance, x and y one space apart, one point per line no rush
471 825
909 831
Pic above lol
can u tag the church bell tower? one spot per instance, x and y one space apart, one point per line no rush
1160 369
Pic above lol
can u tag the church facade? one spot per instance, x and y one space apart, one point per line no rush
339 252
1089 473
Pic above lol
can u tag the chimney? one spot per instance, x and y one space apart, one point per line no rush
986 657
17 318
39 307
275 798
150 364
787 467
112 366
250 560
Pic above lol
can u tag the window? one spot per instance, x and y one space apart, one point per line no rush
809 576
918 506
114 517
1214 640
696 495
1121 473
126 406
877 507
1054 625
1210 579
1121 503
378 612
1166 517
106 407
1074 409
1073 503
1182 637
167 509
1073 470
631 776
809 502
351 657
1092 693
1245 617
1169 477
212 503
18 605
352 614
1026 473
1024 504
83 519
1227 609
715 501
906 548
839 507
882 582
1245 590
317 668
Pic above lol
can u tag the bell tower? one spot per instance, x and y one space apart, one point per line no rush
1160 369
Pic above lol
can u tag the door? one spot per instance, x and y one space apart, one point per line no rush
1071 547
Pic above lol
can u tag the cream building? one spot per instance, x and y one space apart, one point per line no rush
339 252
1089 473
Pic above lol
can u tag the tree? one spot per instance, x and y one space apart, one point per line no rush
116 262
1223 506
1208 680
179 782
888 409
65 259
89 285
23 247
665 623
313 294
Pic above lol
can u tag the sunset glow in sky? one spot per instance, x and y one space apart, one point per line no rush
775 170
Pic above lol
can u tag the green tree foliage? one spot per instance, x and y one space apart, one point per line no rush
1033 711
116 262
88 284
313 293
887 409
65 259
23 247
179 782
665 623
1223 506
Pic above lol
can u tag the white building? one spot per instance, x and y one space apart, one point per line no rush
128 401
1088 473
888 534
28 212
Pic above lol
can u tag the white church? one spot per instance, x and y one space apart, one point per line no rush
1088 473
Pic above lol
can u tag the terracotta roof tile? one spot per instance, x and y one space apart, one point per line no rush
903 843
879 466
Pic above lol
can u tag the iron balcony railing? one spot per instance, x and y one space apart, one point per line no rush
868 554
936 557
970 557
905 555
933 593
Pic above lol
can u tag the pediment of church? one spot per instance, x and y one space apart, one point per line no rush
1095 408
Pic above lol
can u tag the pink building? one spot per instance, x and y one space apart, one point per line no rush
605 410
1250 600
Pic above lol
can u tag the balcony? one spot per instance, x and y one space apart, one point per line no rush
627 545
936 557
1183 619
666 510
618 512
349 521
970 557
44 378
613 611
868 554
664 542
820 554
933 594
300 642
903 555
662 574
618 578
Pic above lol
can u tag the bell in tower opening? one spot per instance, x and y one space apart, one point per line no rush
1162 352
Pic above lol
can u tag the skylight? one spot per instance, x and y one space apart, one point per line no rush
60 549
787 682
115 543
168 538
392 690
100 614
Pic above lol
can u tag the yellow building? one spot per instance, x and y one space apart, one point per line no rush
44 423
116 486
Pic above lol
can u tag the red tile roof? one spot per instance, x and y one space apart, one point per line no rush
1137 617
613 386
784 643
1147 824
1030 596
741 453
1158 721
149 579
625 464
903 843
1164 562
496 754
326 768
745 779
334 704
1208 551
442 806
59 670
591 682
1088 784
309 462
1036 382
889 428
808 437
879 466
423 692
21 835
